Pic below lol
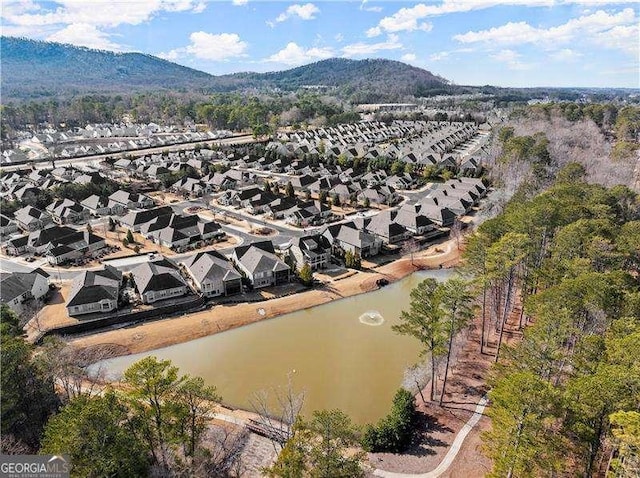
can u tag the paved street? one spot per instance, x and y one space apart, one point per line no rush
283 236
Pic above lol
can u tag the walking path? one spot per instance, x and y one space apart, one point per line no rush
453 450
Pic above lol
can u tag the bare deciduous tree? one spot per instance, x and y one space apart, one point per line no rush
410 246
68 367
278 411
417 375
456 231
10 445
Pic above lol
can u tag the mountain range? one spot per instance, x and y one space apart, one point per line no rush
40 70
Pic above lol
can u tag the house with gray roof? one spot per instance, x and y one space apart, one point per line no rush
130 200
259 263
348 237
7 226
134 220
314 250
94 292
158 280
386 228
413 220
18 288
99 206
456 205
440 215
30 219
176 230
66 211
16 246
191 186
212 274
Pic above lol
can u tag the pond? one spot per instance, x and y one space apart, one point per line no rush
342 354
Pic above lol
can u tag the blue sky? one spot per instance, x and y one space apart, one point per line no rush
472 42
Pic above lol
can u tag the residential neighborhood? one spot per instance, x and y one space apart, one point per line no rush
333 197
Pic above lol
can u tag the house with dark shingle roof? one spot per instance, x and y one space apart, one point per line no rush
440 215
30 219
158 280
134 220
7 226
260 264
130 200
191 186
314 250
386 228
456 205
20 287
278 208
95 292
99 206
212 274
348 237
66 211
17 245
176 230
409 216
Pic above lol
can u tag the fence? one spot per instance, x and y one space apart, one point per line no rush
128 319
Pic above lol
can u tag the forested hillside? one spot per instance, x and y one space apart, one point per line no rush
363 81
35 69
561 397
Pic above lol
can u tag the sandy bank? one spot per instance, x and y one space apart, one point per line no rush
170 331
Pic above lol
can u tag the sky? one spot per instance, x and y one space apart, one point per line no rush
563 43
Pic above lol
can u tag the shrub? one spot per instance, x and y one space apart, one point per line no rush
394 432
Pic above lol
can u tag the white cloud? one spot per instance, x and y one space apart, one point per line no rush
599 3
209 46
82 34
443 55
615 30
408 57
307 11
408 19
364 7
566 54
101 13
405 19
622 37
512 59
361 49
439 56
239 3
294 54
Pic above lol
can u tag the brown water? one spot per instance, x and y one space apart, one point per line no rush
331 355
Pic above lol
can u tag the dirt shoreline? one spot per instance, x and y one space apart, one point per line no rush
170 331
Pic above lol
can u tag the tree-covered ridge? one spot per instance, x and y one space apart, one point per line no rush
36 69
43 69
572 256
363 81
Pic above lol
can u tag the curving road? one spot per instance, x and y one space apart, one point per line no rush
453 449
